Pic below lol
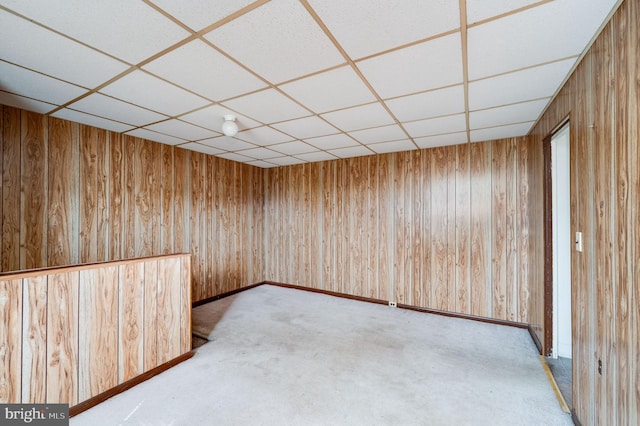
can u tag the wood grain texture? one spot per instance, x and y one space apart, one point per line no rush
98 305
62 338
11 178
150 315
131 321
399 227
62 225
34 343
33 196
10 341
601 101
72 193
169 309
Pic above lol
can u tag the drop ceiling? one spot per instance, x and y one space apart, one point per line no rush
308 80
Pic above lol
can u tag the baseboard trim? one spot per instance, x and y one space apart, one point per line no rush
223 295
465 316
402 306
92 402
327 292
535 339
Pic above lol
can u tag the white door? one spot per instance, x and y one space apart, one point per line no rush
561 243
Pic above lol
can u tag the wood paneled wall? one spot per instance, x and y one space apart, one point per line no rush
69 334
76 194
601 100
443 228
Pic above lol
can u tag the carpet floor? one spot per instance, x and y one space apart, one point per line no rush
280 356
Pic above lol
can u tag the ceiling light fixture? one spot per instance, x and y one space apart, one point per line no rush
229 127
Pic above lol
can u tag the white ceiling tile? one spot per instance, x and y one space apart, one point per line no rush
551 31
379 134
362 117
442 140
268 106
227 144
21 81
516 113
479 10
150 92
262 164
91 120
364 27
279 41
260 153
25 103
293 148
332 142
235 157
429 104
182 130
395 146
212 118
331 90
29 45
501 132
198 14
155 136
201 69
437 126
425 66
353 151
286 161
308 127
519 86
316 156
198 147
129 30
263 136
114 109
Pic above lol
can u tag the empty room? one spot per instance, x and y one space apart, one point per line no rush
320 212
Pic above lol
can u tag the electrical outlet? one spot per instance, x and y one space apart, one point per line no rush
579 241
393 304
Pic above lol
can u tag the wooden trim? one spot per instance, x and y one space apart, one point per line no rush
574 417
223 295
403 306
327 292
535 339
92 402
547 327
28 273
465 316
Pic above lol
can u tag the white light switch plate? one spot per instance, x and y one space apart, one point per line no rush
578 241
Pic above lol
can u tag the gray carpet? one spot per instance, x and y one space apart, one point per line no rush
289 357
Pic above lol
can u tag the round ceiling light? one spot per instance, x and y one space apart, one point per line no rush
229 127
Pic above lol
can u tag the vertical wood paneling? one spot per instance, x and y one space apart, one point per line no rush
451 228
11 178
328 221
102 198
89 137
145 194
131 321
98 305
169 309
499 228
182 201
116 197
10 341
150 314
33 199
480 229
185 304
34 343
417 232
62 338
462 225
196 188
439 280
511 261
129 187
210 225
